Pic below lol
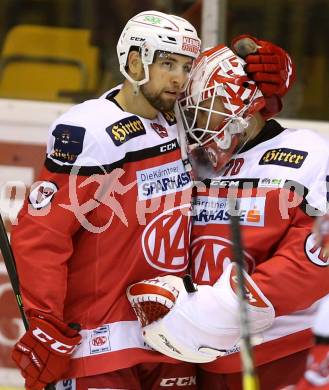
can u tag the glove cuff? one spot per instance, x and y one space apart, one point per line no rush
53 333
67 330
273 105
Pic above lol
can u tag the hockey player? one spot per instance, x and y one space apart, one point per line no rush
111 207
277 177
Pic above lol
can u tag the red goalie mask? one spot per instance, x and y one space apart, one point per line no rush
216 108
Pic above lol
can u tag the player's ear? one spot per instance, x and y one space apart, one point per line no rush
135 65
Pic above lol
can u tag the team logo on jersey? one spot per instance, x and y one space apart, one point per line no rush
99 341
210 255
125 129
42 195
315 253
166 240
209 210
170 117
285 157
162 180
68 142
160 130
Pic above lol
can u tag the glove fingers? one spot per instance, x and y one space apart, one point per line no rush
262 59
272 78
269 68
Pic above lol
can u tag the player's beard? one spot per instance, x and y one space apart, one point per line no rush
156 101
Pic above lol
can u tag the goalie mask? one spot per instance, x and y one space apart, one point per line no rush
153 31
217 108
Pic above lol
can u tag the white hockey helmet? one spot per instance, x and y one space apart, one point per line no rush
218 72
153 31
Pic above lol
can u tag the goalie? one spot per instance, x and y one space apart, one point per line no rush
278 178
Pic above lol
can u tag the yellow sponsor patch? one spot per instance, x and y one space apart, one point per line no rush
285 157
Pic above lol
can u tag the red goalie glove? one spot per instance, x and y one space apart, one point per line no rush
43 353
270 66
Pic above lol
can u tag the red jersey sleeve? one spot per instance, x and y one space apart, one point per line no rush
42 240
297 274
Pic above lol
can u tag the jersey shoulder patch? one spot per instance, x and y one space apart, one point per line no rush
68 142
125 129
170 117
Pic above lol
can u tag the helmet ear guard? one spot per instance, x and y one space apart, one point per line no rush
218 73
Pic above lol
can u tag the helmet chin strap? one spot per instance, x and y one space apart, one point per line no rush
136 83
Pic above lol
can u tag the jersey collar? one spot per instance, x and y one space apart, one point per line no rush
271 129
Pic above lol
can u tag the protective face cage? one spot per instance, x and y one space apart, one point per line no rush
217 74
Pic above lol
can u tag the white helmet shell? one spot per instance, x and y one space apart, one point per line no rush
152 31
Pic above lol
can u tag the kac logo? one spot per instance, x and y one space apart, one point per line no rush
315 253
42 194
166 239
210 255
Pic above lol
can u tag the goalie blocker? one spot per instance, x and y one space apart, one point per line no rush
201 326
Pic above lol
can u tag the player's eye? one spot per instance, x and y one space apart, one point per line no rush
187 68
167 64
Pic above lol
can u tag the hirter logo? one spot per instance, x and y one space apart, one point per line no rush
166 239
210 255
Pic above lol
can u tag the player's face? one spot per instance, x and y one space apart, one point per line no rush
168 77
207 120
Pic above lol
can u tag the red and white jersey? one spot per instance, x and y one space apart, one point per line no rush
111 207
279 180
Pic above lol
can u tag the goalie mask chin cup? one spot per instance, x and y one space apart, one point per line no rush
153 31
207 160
219 86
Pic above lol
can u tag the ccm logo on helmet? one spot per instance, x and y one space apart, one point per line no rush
137 39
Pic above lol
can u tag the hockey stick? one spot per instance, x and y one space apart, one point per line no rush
9 260
249 377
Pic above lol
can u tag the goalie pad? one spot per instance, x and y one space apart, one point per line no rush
201 326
